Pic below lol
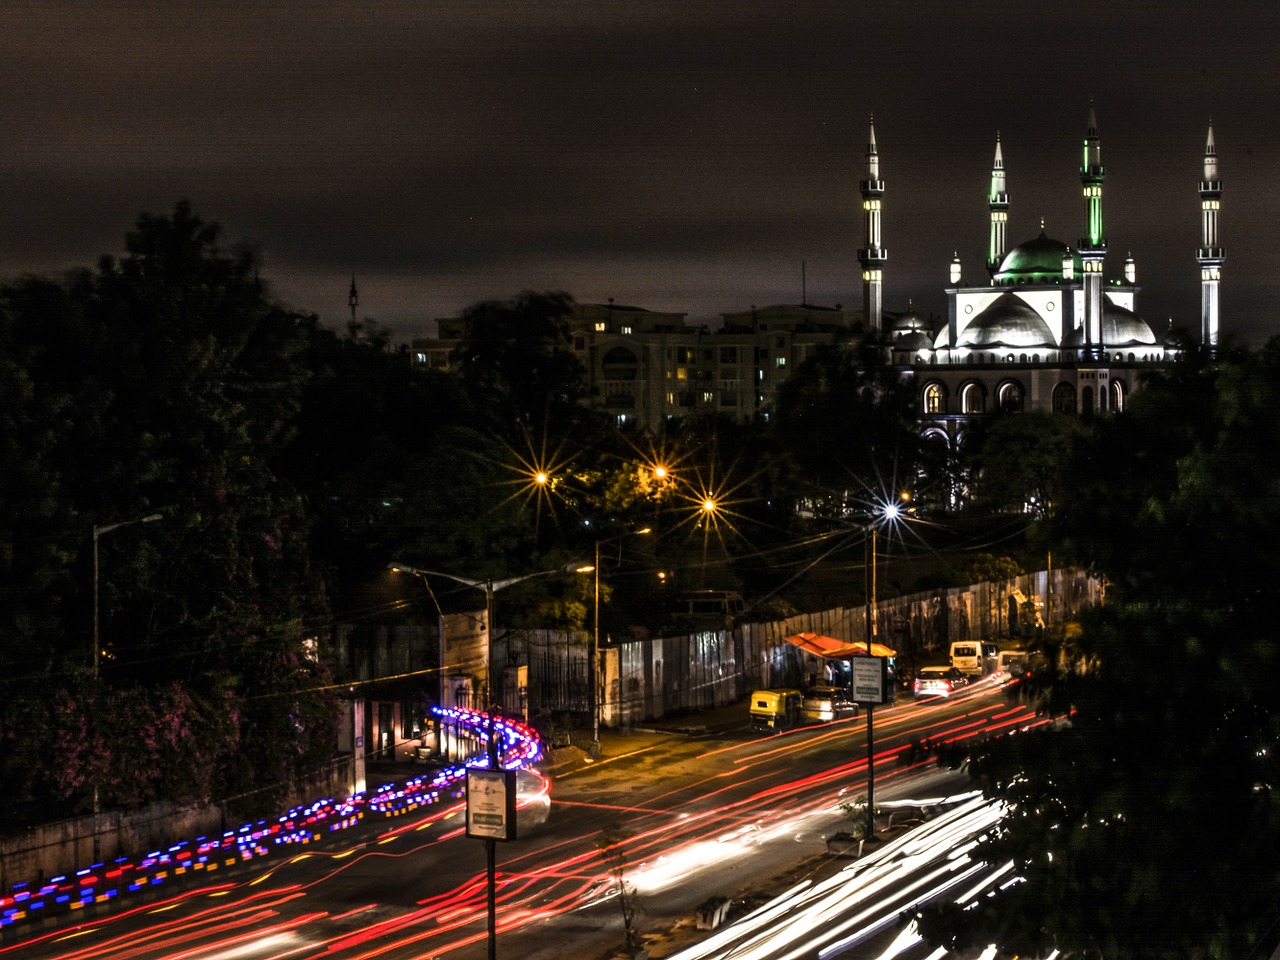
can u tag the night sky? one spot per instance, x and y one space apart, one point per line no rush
680 155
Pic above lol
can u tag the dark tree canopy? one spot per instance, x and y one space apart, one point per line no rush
165 382
1147 825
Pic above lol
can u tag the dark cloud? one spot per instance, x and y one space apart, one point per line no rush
677 154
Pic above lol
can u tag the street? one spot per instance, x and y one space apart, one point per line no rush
724 813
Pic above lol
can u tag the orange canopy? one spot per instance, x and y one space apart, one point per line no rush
835 649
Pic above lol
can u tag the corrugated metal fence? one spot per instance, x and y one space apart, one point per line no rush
660 676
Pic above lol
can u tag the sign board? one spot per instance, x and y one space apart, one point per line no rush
464 646
491 804
868 679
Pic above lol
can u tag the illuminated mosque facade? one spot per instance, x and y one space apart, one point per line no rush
1043 331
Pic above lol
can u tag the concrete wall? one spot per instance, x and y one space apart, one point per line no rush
54 849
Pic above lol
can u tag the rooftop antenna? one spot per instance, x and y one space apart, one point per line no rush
353 298
804 296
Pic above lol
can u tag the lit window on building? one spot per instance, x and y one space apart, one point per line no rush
600 326
933 399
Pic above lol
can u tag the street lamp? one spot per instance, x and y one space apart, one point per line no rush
890 513
593 667
490 587
98 531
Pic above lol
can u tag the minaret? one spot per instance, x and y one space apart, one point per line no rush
1092 248
998 200
1209 255
872 256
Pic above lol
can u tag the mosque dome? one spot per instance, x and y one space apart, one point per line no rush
1009 322
1036 261
918 340
1122 327
910 322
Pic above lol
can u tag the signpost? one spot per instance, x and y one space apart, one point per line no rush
491 816
869 680
491 804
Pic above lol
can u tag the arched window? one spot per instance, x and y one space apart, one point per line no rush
1064 398
934 401
1086 401
1009 396
619 364
934 435
1103 393
1117 396
973 398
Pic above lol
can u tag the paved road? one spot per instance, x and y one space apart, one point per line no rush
711 809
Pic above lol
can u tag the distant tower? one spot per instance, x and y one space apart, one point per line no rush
998 200
353 299
1210 255
1092 248
873 255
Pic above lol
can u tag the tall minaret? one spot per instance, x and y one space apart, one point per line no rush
998 200
872 256
1210 254
1092 248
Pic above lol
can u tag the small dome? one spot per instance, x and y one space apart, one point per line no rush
1007 322
909 321
1122 327
1075 338
918 340
1036 261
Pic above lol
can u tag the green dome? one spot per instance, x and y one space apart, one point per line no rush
1036 261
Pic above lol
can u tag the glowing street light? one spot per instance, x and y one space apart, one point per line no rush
889 512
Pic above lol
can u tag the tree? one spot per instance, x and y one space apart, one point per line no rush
845 430
516 362
1144 827
165 381
611 843
1018 461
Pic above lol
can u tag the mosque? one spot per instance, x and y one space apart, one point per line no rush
1046 331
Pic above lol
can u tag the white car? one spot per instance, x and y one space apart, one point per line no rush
939 682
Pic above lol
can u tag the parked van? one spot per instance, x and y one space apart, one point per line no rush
977 658
775 709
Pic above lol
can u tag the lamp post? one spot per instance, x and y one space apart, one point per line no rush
98 531
890 513
490 587
593 667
